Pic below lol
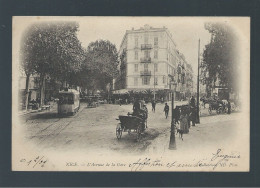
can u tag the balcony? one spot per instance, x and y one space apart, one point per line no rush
145 73
146 60
146 47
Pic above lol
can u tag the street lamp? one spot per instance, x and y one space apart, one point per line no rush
172 144
154 82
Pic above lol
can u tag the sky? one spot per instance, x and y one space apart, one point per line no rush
186 31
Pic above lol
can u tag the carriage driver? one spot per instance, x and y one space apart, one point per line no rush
136 107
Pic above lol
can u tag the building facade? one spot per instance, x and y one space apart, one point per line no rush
148 61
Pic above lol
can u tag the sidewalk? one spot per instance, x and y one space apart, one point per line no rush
24 112
212 131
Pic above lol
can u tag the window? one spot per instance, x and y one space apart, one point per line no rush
155 67
164 79
146 39
145 67
155 54
146 80
155 41
147 54
135 81
155 81
136 67
136 41
136 55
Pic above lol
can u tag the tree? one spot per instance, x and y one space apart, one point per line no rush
27 67
220 57
100 64
54 50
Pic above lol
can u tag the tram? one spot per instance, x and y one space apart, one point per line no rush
69 102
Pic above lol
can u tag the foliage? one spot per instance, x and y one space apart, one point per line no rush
100 66
53 49
220 57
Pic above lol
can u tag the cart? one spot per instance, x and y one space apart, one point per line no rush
215 105
129 124
133 122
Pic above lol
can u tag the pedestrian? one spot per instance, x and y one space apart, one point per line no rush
188 116
146 115
184 121
229 107
192 115
153 105
192 102
136 107
181 126
176 114
166 110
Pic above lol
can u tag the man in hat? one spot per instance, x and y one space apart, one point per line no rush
136 107
153 105
166 110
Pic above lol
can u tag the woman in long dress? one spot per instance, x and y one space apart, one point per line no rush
184 121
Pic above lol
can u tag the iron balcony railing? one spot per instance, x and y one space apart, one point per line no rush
145 73
146 60
146 46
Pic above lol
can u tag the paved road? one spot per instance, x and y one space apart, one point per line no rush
92 130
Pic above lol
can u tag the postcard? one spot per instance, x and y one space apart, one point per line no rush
135 94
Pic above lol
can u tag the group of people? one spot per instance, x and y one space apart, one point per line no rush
184 116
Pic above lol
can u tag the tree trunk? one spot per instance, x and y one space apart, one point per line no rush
42 89
27 90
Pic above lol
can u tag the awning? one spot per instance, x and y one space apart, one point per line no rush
121 91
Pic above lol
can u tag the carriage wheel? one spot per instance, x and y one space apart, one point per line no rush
219 110
118 131
210 111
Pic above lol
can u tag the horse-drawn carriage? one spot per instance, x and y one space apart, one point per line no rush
218 105
133 122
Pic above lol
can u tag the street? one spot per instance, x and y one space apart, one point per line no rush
92 130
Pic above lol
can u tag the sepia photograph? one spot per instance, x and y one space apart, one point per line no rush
134 94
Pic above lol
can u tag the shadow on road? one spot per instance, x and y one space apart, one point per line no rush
129 141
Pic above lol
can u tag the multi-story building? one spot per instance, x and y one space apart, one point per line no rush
149 60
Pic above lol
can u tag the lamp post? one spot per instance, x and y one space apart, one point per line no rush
154 82
172 144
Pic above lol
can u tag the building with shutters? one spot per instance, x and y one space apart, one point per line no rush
148 60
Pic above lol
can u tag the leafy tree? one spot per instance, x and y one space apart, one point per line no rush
53 49
220 57
27 67
100 65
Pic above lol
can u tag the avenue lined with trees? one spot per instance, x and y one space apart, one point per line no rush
53 51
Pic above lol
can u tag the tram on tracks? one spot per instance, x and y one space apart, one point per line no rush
69 102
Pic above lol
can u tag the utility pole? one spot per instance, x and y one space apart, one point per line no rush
172 144
198 85
154 82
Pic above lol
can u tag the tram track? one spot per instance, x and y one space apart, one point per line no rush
54 128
